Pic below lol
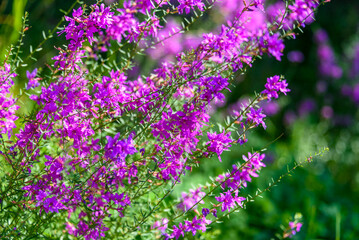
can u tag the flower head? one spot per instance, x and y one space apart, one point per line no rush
274 85
33 81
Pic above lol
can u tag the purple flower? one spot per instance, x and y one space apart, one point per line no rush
178 231
89 177
229 201
255 160
187 5
117 150
171 45
214 212
303 11
161 225
213 87
205 211
274 45
295 227
218 143
196 224
274 85
33 81
52 204
191 200
7 102
256 117
32 74
82 27
239 177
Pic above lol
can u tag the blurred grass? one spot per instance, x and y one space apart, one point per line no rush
10 23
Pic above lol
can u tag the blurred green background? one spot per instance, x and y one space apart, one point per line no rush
320 111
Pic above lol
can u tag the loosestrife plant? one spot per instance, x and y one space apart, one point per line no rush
100 153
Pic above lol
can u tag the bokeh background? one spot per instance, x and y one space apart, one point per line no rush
322 69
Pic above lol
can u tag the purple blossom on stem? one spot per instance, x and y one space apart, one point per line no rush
187 5
228 201
218 143
117 150
161 225
274 45
92 175
33 81
196 224
83 27
303 11
213 87
189 200
274 85
239 177
205 212
7 103
256 117
178 231
294 227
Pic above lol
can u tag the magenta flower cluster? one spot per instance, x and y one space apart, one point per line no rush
274 85
8 105
100 145
295 227
227 199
